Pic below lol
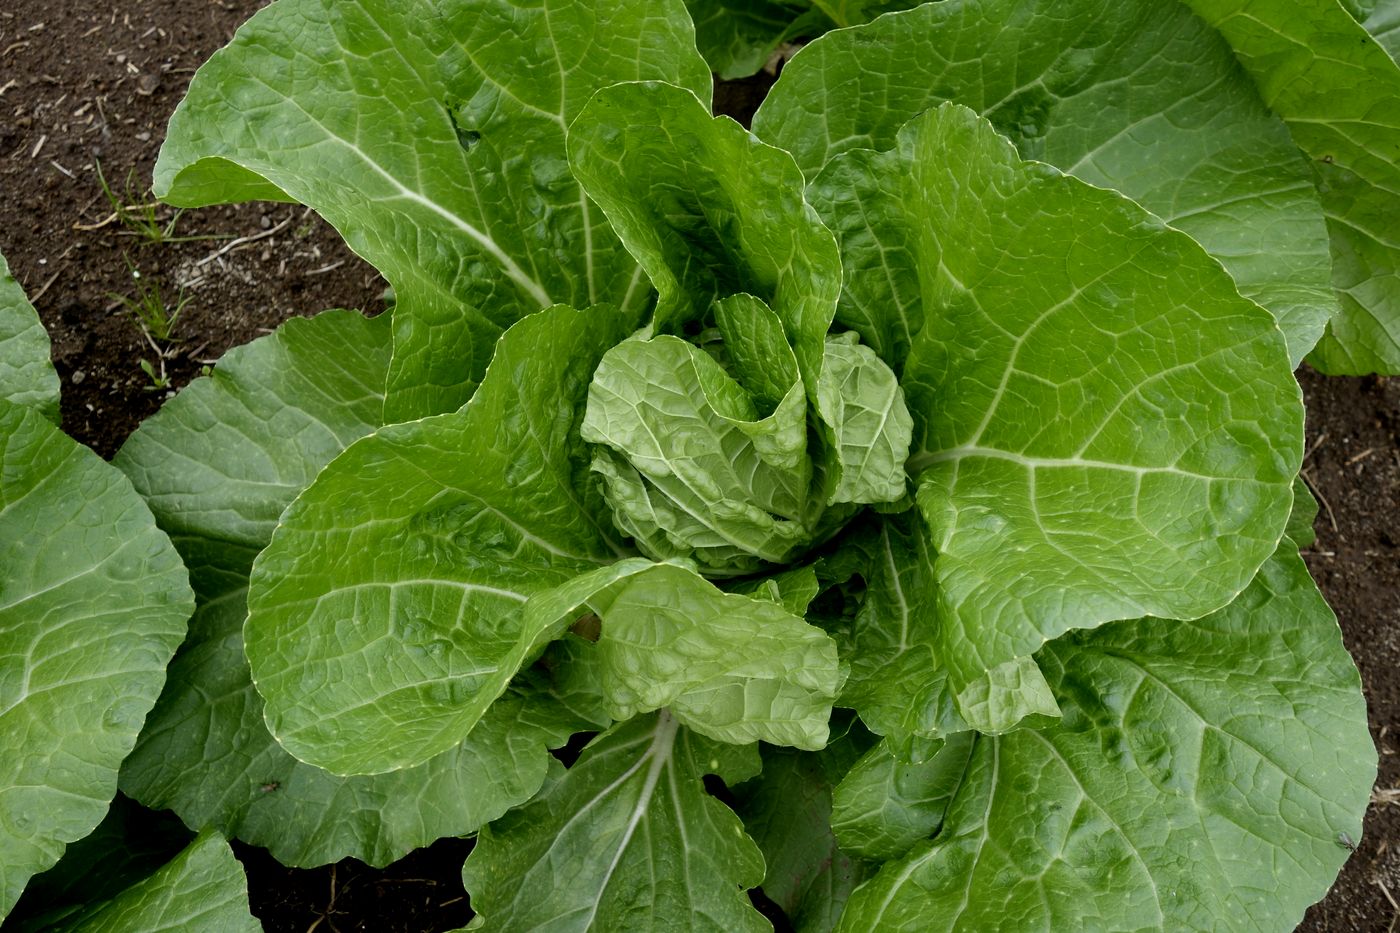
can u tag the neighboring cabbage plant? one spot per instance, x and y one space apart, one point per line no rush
908 524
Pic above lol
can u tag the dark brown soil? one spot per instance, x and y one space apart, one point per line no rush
83 81
1354 466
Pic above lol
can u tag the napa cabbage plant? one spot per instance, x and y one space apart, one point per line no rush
892 508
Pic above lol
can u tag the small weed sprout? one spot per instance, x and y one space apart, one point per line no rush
140 213
156 317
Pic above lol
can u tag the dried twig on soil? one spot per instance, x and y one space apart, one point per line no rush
1385 795
1331 516
241 241
1396 916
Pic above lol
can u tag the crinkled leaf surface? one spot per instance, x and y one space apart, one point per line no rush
708 211
1103 428
431 134
883 806
625 839
860 398
891 645
731 667
27 376
721 484
1201 779
1135 95
218 464
202 888
1339 92
787 811
385 615
93 603
249 786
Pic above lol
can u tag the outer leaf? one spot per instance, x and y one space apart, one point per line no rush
708 211
129 845
248 785
730 667
93 602
1135 95
431 134
787 811
632 832
202 888
385 616
27 376
1202 778
1339 92
1104 428
218 465
884 806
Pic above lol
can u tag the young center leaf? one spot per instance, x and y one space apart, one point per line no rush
706 451
1135 95
1104 429
432 137
1202 777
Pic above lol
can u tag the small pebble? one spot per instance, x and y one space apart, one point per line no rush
78 377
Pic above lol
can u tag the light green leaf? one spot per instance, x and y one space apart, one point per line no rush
884 806
757 349
787 811
700 464
1135 95
895 683
1104 429
794 590
731 667
1203 778
1339 92
202 888
860 398
27 376
708 211
218 464
93 603
431 135
1383 23
386 614
207 754
631 828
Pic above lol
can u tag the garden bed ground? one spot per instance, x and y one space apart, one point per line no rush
85 82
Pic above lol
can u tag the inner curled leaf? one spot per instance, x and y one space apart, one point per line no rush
708 452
